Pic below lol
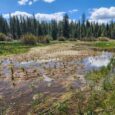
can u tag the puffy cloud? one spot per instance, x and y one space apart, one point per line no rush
23 2
54 16
40 16
103 14
18 13
30 2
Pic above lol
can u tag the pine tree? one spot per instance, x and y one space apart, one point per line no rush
66 28
54 30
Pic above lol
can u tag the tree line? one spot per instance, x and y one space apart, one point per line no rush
80 29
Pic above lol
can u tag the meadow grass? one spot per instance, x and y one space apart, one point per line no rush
105 44
16 47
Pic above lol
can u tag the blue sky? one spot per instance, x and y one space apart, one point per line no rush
97 10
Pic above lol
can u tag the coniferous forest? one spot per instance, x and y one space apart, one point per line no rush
80 29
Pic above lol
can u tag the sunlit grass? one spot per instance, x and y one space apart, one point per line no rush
105 44
16 47
7 48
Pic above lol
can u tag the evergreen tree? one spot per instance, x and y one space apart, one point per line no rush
54 30
66 28
20 25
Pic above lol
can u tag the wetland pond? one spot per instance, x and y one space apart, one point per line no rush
20 81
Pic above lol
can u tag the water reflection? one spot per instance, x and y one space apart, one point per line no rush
96 62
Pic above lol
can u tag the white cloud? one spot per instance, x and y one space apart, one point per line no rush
103 14
18 13
40 16
23 2
73 11
30 2
54 16
58 16
49 1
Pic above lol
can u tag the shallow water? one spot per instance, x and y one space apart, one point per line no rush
89 63
25 89
37 64
96 62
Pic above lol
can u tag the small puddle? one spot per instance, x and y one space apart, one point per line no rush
96 62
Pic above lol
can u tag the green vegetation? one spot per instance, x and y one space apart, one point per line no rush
105 44
98 45
61 39
29 39
7 48
97 98
80 30
97 75
16 47
104 79
44 39
2 37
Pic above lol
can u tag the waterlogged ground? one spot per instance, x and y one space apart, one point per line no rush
45 74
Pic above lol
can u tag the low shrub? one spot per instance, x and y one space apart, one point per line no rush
49 37
2 37
46 39
72 39
88 39
40 39
102 39
61 39
9 37
43 39
29 39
